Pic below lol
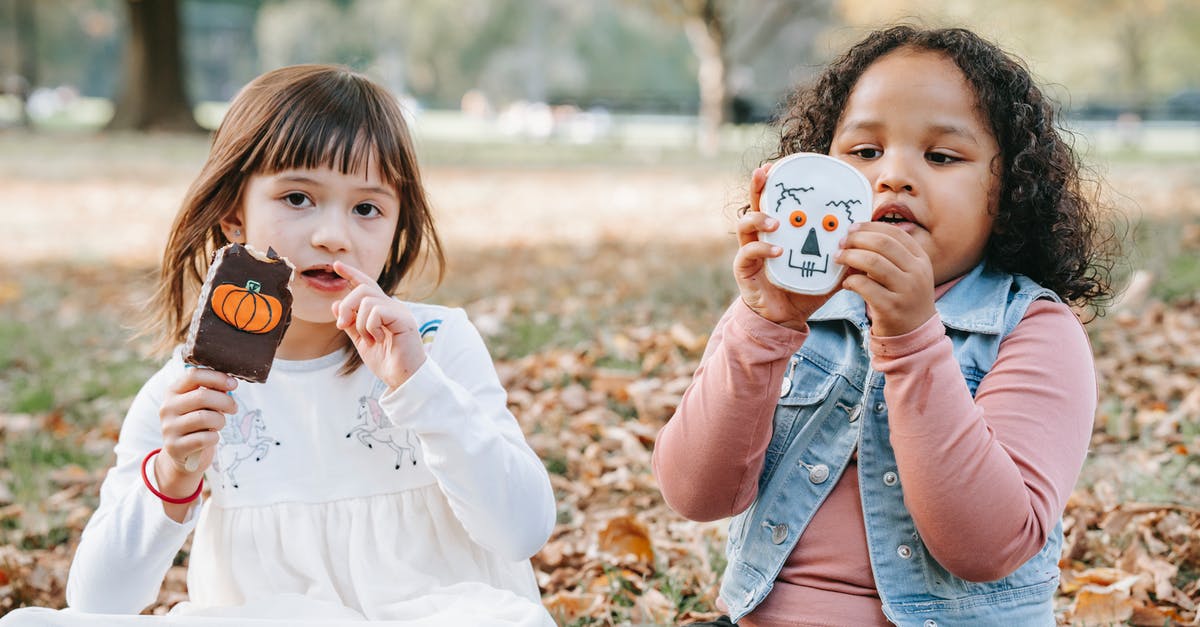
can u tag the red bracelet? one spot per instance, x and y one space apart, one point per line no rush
162 496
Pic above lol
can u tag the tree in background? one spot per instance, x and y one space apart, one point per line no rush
732 60
1123 54
723 33
603 53
152 95
21 52
1142 35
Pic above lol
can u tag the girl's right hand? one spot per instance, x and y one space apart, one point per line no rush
750 266
192 414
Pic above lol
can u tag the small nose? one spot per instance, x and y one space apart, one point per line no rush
331 231
894 174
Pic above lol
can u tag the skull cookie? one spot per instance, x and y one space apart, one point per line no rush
815 198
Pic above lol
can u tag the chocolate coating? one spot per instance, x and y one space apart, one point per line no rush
254 279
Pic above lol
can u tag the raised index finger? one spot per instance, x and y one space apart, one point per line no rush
352 274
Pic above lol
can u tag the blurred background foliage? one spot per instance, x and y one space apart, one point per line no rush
641 117
729 61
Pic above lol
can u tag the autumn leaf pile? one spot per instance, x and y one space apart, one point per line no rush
595 341
1125 560
591 409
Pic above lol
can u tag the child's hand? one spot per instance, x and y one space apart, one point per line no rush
191 415
892 273
383 330
749 266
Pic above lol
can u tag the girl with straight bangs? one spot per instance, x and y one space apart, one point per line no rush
377 474
901 449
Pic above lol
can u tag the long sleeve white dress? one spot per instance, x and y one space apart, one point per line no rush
333 500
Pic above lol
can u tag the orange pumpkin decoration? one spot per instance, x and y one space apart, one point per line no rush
245 309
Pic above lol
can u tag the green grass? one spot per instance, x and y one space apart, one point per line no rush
526 334
66 356
62 353
1170 249
66 369
32 455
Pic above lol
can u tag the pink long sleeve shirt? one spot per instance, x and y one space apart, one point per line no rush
985 478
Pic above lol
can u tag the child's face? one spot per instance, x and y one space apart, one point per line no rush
912 127
315 217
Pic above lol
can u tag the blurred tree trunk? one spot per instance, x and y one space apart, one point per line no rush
152 95
25 77
705 30
710 28
1134 39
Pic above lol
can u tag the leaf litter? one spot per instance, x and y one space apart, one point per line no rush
591 404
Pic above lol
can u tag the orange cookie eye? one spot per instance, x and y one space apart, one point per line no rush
830 222
797 219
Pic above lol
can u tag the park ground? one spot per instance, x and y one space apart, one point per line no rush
595 274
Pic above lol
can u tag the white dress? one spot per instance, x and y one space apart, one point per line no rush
331 500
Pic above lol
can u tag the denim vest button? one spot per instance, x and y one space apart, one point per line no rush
904 551
879 406
818 474
890 478
779 533
931 623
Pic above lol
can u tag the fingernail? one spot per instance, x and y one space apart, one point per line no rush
775 250
771 222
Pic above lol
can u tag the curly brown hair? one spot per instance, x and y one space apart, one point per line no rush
1046 227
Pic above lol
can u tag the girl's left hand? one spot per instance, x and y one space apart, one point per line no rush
383 330
892 273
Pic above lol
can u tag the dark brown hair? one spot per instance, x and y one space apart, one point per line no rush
298 117
1046 227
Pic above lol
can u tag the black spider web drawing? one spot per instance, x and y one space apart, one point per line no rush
789 192
845 204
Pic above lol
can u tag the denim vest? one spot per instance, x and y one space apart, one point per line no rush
835 403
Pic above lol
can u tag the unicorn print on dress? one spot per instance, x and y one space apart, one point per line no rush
242 438
371 426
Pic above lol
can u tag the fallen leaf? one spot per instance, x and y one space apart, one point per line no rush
1095 605
627 541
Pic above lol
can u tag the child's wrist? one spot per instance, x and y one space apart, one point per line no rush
169 481
405 372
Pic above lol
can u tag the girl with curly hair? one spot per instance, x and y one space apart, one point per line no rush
901 449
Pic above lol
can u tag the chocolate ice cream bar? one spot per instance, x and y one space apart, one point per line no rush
243 310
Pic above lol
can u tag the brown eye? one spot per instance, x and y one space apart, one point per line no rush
797 219
830 222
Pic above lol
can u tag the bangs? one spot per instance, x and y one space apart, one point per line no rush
335 121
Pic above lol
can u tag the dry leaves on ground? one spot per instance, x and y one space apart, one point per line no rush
619 555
